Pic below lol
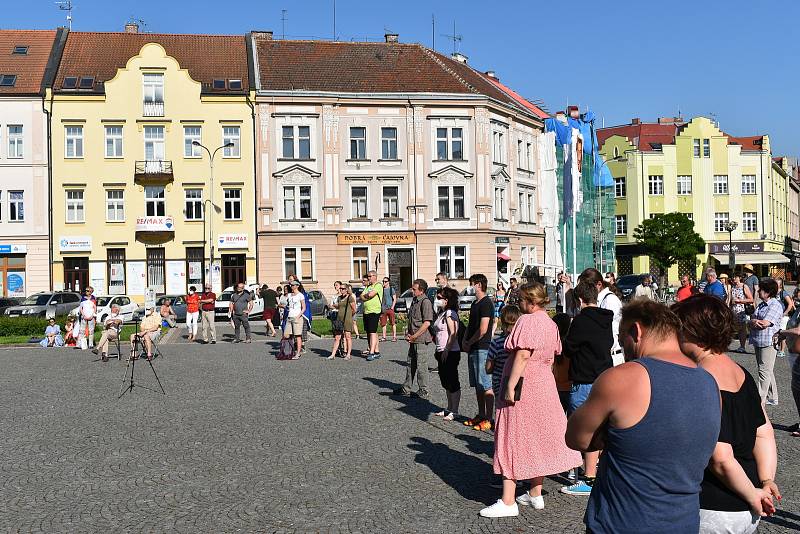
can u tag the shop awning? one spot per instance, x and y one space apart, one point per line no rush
761 258
504 257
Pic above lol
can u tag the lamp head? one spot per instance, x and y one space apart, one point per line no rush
196 143
227 145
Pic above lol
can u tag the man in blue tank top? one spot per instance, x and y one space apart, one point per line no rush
657 419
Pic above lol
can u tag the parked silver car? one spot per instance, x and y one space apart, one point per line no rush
467 297
39 304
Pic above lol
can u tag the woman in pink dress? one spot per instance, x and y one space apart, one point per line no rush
529 433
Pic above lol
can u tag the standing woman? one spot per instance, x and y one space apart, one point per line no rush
529 433
788 310
740 298
499 302
343 324
738 486
726 284
765 323
192 312
448 351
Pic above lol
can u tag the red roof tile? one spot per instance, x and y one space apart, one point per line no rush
642 135
28 68
752 142
206 57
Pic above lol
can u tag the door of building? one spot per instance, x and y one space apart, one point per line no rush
76 274
233 270
401 268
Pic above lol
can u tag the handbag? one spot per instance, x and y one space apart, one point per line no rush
517 390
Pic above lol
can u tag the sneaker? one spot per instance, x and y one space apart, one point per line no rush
373 356
295 357
579 488
400 392
526 499
450 416
771 403
214 342
441 413
421 395
500 509
482 426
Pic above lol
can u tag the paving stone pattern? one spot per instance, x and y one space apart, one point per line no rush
244 443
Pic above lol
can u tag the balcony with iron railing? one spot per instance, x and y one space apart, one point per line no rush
153 109
153 172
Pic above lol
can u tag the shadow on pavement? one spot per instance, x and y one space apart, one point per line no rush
466 474
477 444
413 406
784 519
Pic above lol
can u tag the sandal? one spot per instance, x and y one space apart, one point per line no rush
483 426
347 357
331 357
383 339
472 422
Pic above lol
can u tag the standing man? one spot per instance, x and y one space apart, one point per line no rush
714 287
657 419
701 286
111 328
295 316
207 315
371 297
587 346
645 289
87 312
441 280
270 297
686 290
512 297
387 309
751 281
239 311
420 342
476 345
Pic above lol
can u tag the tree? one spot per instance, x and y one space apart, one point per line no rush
668 238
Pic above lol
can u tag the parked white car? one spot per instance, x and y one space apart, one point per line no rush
126 307
224 299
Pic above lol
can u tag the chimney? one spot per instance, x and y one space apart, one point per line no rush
263 35
131 27
492 74
391 37
458 56
635 120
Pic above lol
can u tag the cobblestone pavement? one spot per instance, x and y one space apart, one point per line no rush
243 442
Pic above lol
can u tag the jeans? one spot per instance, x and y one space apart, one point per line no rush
767 386
418 356
238 322
577 396
207 320
191 322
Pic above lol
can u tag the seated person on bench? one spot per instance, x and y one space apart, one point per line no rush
111 328
149 329
52 335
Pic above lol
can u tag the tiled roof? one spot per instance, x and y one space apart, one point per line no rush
642 135
533 108
350 67
29 68
752 142
206 57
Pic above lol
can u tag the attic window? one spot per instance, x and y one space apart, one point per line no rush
218 84
21 50
70 82
87 82
8 80
235 85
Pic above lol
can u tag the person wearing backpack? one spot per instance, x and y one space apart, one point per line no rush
448 350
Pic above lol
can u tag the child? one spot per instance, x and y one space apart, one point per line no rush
497 351
69 334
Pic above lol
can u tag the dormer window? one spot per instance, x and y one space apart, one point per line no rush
153 94
218 84
8 80
235 85
87 82
70 82
20 50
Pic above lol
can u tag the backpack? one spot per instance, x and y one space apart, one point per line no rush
286 349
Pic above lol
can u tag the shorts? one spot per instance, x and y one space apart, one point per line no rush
784 322
294 326
578 395
478 377
371 322
387 315
268 314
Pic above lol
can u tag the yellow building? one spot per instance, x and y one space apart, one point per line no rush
132 193
712 177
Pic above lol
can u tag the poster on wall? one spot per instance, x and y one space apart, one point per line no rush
97 277
136 278
15 283
176 277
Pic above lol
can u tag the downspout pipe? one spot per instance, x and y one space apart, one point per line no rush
414 178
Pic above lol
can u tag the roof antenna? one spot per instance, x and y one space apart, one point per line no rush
456 38
283 24
433 32
334 20
66 5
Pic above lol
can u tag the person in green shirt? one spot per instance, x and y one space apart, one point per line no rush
371 297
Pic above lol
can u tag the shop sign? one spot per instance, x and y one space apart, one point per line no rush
155 224
13 249
75 243
388 238
502 240
232 241
738 247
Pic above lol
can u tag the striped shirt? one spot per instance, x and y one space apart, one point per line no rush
771 311
498 354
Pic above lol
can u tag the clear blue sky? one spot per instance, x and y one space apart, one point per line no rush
733 59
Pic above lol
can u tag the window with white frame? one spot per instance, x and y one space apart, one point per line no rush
720 220
391 201
154 202
16 206
75 206
153 87
233 204
522 201
655 185
115 205
531 205
520 162
154 147
451 201
499 203
749 222
498 147
298 261
297 202
192 134
231 134
720 184
296 142
685 184
528 156
449 143
619 187
360 262
748 184
389 143
527 206
113 141
358 142
706 148
358 202
193 206
453 261
73 139
15 141
696 147
620 224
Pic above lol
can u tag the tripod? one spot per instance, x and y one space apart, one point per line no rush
130 365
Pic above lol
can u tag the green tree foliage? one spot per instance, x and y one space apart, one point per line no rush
668 238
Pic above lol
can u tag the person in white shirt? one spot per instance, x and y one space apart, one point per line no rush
607 299
111 327
296 307
645 289
86 314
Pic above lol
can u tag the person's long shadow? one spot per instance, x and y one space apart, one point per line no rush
477 445
467 474
415 407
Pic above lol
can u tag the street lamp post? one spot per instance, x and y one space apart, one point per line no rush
601 233
730 226
211 156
